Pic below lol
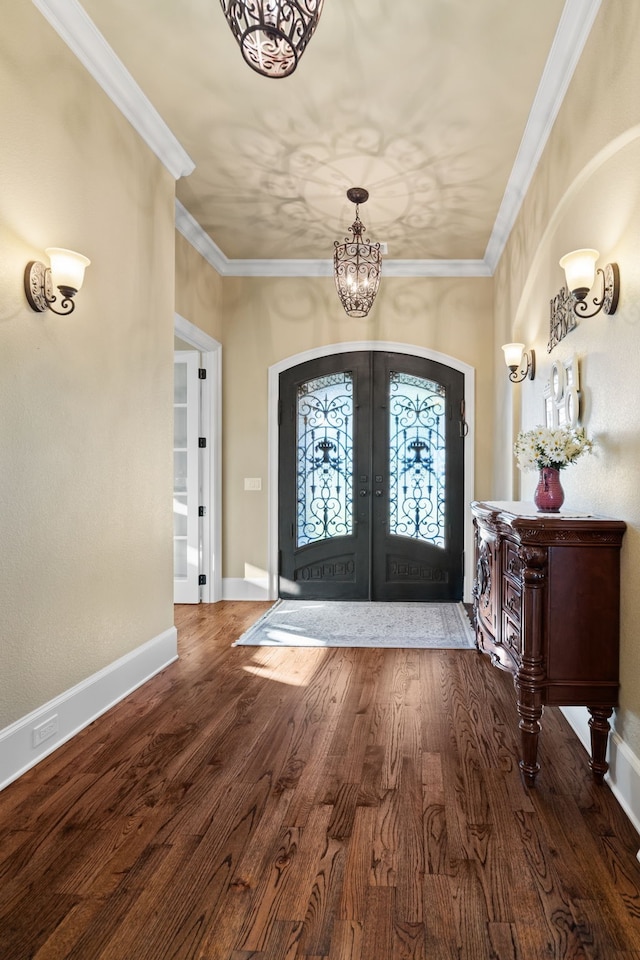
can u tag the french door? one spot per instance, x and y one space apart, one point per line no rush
371 464
186 477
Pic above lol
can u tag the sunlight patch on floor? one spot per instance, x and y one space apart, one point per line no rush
297 675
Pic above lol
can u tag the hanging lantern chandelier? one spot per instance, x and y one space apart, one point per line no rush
272 34
356 264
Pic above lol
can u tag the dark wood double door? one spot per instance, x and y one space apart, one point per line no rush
371 466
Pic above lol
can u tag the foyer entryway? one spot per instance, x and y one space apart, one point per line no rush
371 469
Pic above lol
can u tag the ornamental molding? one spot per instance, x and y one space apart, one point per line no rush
547 536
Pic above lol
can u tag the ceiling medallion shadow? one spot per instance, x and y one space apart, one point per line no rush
272 34
356 264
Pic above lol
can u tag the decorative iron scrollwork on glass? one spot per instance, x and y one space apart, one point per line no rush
325 458
417 458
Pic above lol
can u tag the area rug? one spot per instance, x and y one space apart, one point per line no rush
345 623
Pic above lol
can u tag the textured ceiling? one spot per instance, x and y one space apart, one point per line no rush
423 102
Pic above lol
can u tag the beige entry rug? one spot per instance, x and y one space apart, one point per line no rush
352 623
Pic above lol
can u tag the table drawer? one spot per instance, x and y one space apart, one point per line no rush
511 635
511 598
511 562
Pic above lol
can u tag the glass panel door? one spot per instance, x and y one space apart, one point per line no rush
417 458
325 458
371 479
324 481
417 531
186 484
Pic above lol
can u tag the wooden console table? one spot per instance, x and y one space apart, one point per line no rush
546 603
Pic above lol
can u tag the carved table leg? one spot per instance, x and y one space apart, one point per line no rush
599 725
531 677
529 711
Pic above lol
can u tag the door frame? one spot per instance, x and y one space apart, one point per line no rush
187 589
353 346
211 426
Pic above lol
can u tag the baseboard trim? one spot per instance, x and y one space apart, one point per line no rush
238 588
79 706
624 766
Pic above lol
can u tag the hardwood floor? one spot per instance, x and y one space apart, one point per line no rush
340 803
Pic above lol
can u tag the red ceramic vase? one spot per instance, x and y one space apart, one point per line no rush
549 495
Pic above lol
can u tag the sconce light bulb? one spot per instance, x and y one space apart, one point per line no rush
67 269
580 271
513 354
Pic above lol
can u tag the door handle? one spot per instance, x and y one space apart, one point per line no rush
363 493
464 426
378 493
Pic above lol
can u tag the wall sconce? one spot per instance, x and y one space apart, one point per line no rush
515 357
66 273
580 271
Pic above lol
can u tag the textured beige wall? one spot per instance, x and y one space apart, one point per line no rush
86 422
586 193
198 289
267 320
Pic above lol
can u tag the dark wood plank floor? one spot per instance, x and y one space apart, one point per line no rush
346 803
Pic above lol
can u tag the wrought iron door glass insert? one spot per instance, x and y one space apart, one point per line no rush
417 458
325 458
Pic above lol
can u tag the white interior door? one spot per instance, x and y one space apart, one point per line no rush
186 480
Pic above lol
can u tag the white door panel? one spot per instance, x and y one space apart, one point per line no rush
186 483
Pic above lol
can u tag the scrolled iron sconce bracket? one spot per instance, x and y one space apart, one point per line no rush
527 368
608 302
520 362
39 290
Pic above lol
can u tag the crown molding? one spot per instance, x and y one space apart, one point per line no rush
435 268
571 36
83 38
191 230
279 268
324 268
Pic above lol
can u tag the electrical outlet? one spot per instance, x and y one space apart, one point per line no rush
253 483
45 730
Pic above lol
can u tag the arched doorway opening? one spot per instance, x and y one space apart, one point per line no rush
462 423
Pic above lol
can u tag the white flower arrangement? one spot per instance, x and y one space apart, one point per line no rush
542 447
